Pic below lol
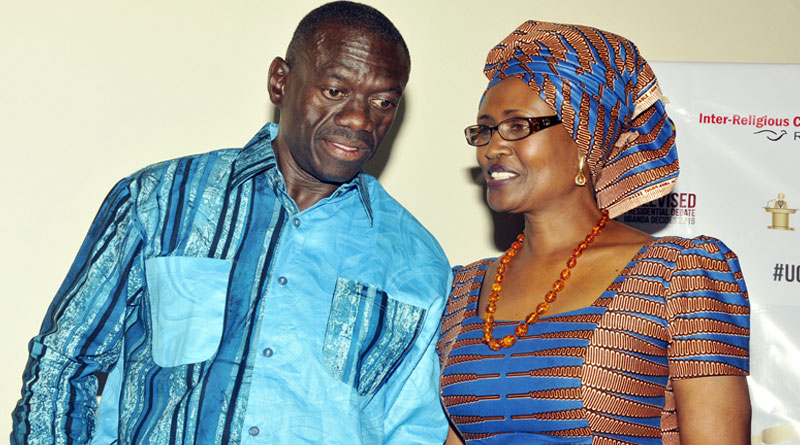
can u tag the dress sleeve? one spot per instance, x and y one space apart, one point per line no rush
81 332
443 341
466 286
708 312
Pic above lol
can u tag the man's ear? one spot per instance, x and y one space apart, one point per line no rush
276 83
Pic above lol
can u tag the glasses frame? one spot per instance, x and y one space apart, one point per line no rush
535 124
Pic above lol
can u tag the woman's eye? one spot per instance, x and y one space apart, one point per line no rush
332 93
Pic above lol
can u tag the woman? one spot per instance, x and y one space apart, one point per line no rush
586 330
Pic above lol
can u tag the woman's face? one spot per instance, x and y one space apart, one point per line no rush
533 172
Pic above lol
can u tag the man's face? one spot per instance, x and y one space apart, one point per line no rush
337 102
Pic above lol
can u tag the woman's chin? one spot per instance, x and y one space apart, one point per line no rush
502 207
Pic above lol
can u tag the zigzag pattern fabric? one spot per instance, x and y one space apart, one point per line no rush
600 374
608 99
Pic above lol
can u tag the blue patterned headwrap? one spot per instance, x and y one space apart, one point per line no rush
608 100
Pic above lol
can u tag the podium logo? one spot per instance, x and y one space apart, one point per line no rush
780 211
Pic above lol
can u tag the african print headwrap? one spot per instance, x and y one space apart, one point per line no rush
608 100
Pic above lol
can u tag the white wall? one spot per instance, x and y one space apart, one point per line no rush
93 90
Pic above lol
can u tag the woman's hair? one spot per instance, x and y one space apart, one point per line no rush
608 99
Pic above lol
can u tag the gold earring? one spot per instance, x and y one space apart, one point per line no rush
580 178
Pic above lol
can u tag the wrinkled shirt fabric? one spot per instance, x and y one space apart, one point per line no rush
223 314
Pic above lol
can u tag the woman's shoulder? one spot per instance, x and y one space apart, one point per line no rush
470 268
689 259
671 247
466 279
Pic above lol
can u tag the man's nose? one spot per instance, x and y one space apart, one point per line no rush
355 114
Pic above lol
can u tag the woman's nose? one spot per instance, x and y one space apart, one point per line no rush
497 146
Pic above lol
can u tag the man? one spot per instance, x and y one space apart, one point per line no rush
270 294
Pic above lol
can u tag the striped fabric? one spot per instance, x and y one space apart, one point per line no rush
600 374
210 300
608 99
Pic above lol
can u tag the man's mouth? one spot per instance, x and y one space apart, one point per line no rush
344 147
346 144
346 150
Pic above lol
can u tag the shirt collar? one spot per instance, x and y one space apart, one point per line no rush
257 157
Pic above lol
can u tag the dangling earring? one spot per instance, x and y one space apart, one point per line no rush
580 178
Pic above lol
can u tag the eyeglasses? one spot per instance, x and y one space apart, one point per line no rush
512 129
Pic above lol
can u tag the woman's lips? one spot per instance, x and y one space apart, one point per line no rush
498 175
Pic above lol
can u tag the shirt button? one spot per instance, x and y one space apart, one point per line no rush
296 222
282 281
254 431
267 352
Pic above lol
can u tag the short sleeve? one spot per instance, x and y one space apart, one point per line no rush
708 312
445 327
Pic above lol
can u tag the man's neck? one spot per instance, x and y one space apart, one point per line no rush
306 195
305 189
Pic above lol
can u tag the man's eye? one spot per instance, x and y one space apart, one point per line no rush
383 104
332 93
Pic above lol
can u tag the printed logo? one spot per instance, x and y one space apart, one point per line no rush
780 213
789 273
675 208
771 128
771 135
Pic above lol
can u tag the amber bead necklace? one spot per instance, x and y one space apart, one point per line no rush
522 328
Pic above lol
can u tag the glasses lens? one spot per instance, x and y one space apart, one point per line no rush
477 135
514 129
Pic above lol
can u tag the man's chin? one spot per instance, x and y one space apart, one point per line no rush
340 176
343 171
337 179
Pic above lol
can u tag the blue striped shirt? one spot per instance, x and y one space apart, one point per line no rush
223 314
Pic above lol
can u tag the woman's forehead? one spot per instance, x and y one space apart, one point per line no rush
512 96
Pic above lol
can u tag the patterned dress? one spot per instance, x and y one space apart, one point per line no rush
601 374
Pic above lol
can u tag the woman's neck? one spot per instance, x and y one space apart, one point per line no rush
556 230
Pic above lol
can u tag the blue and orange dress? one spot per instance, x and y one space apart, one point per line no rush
601 374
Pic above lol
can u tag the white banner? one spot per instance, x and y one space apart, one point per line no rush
738 136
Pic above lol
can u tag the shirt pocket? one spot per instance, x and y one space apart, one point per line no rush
187 307
368 334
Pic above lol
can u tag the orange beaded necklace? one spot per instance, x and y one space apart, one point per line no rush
522 328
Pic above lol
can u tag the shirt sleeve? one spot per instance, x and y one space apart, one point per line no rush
416 416
81 332
708 312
